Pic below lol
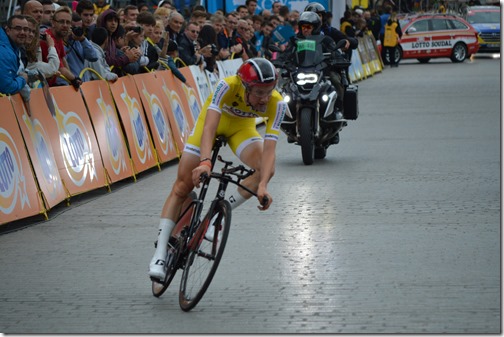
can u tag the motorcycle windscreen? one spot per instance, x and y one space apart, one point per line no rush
309 51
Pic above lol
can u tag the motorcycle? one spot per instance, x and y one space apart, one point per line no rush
313 122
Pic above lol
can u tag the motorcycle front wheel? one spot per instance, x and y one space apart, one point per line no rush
306 136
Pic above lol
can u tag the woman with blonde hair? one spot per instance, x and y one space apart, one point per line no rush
162 13
34 53
120 15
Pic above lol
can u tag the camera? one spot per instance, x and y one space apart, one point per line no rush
215 50
78 31
137 29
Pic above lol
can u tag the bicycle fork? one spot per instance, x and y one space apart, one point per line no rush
204 223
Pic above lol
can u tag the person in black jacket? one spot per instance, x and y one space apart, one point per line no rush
189 49
373 23
208 36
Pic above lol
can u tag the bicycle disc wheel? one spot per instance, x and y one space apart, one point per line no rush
159 288
203 261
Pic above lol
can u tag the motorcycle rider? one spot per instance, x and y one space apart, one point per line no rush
310 24
337 36
327 29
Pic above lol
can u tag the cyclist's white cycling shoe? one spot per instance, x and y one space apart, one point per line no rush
210 233
157 268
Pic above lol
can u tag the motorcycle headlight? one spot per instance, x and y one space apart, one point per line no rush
302 78
287 98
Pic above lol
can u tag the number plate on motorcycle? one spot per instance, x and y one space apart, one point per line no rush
305 45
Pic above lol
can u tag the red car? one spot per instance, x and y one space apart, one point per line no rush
429 36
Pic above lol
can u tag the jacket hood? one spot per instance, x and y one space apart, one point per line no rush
102 19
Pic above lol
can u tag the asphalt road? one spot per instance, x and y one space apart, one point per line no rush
396 231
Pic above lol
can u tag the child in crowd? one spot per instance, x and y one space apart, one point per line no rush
99 40
171 54
136 41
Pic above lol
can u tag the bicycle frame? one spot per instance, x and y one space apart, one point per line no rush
193 237
199 259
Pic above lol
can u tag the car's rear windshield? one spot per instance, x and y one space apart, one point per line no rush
483 17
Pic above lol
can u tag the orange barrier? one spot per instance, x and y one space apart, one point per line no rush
108 130
130 109
181 115
38 143
76 149
19 197
155 108
191 93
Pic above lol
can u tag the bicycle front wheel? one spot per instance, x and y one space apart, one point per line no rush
204 258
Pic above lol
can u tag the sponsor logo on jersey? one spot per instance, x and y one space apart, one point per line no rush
237 112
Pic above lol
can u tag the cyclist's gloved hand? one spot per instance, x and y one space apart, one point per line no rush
264 198
203 168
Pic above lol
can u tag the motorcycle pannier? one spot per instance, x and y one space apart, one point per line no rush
351 107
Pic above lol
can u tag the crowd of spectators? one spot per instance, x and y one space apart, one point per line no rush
60 40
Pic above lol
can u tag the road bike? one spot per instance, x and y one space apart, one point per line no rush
197 250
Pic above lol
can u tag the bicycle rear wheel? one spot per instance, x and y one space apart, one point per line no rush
172 265
204 259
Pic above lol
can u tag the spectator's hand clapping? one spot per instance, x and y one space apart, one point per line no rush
206 51
49 40
137 51
237 48
224 53
132 53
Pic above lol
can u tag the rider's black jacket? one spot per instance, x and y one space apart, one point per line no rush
337 36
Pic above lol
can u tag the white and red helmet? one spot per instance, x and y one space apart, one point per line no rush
257 72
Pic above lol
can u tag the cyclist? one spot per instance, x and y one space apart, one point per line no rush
230 111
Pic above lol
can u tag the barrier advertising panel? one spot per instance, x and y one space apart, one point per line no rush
19 197
40 149
203 86
191 93
132 115
114 152
213 79
228 67
374 53
156 109
181 119
76 149
364 57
